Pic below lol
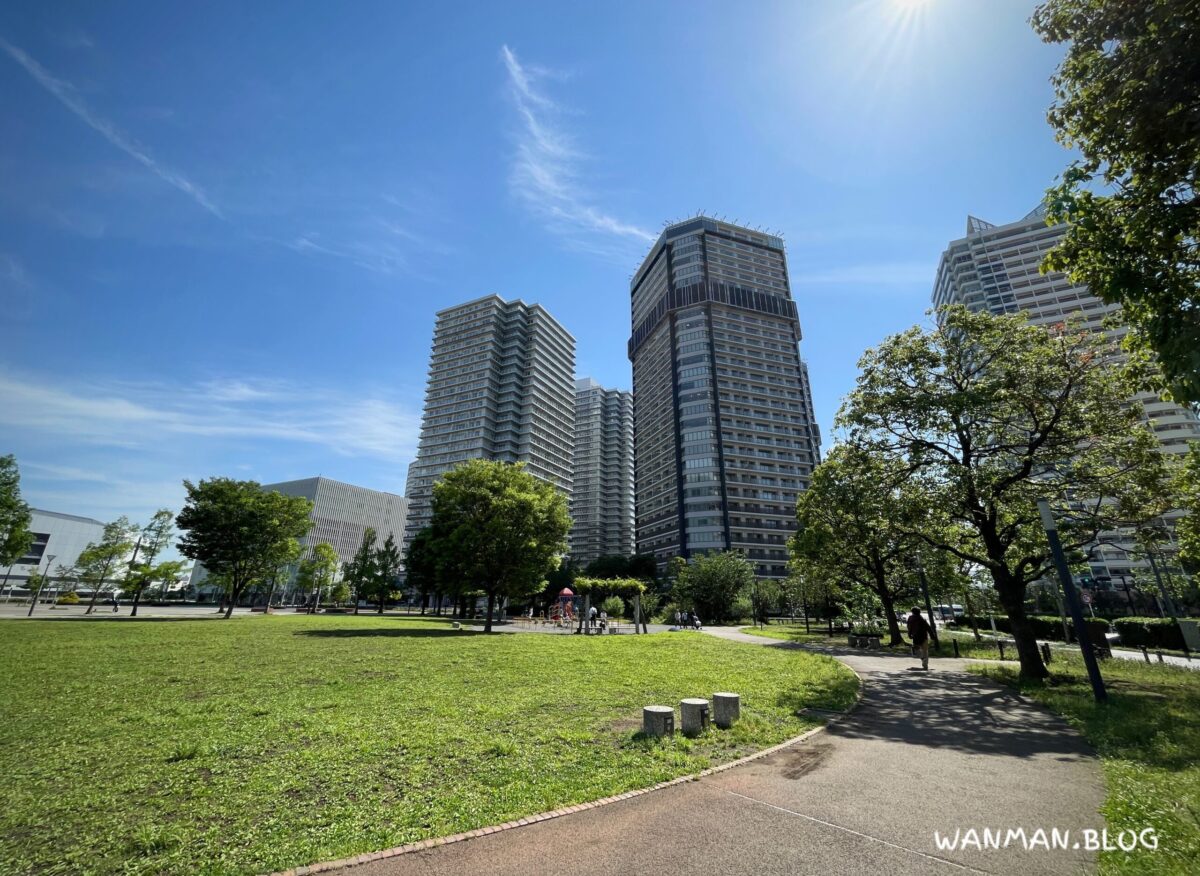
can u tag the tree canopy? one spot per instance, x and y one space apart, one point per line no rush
988 414
98 560
238 531
1187 489
316 572
1127 96
711 583
15 537
496 529
857 525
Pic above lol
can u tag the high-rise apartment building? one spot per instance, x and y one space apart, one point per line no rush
724 434
996 268
501 386
602 491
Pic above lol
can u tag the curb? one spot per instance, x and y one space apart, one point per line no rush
409 848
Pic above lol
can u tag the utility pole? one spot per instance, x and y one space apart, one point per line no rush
1064 573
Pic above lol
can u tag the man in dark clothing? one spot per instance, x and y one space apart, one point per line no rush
918 631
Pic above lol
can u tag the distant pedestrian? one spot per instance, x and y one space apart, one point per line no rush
687 618
696 621
918 631
592 616
115 604
678 619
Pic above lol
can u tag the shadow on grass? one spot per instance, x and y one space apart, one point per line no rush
385 632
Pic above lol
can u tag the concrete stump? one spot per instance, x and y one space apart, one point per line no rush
727 708
693 714
658 720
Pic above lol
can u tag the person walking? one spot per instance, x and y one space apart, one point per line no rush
918 631
678 618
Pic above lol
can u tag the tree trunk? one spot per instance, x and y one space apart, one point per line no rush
230 602
1012 597
382 600
270 596
92 601
356 597
137 597
889 609
487 627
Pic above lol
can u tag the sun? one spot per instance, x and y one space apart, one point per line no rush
907 6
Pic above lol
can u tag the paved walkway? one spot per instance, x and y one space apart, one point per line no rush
923 752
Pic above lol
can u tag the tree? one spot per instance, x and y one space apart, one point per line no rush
1187 490
316 573
990 414
1127 96
283 569
97 560
497 529
851 527
420 565
239 531
151 542
357 573
711 583
15 517
386 571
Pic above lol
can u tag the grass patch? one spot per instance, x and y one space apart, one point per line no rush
796 633
257 744
1148 738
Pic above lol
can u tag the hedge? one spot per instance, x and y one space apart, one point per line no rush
1045 626
1152 632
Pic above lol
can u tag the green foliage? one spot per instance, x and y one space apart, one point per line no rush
859 523
340 593
711 583
142 573
497 529
1151 632
599 588
1128 98
613 606
97 564
1147 736
316 572
15 537
359 572
239 531
385 572
1187 492
68 598
989 414
287 739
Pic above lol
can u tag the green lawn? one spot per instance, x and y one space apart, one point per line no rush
254 744
1148 737
796 633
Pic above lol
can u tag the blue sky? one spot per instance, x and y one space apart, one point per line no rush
225 227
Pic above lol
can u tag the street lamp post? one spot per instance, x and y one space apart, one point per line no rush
1064 573
36 596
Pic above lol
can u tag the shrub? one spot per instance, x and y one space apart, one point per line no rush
68 598
1150 632
614 607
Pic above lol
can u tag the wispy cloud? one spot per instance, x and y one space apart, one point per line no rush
546 169
147 415
887 274
68 96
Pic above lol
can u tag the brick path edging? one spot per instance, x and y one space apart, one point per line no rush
408 848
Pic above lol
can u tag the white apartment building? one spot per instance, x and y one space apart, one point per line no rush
602 520
501 387
996 268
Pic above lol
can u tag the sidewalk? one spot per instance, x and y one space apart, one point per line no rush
923 752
